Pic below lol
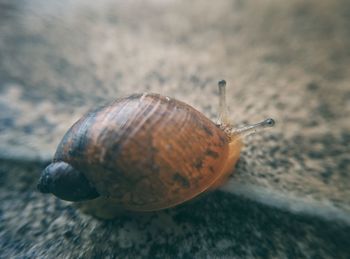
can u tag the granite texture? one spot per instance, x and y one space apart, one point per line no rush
286 60
218 225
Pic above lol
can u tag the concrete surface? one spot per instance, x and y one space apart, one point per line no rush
287 60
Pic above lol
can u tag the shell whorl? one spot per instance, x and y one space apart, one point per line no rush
146 151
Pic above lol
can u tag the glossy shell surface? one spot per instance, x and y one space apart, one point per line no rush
147 151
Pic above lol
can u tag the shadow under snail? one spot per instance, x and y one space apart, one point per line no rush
145 152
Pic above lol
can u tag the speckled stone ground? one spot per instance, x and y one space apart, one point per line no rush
287 60
217 226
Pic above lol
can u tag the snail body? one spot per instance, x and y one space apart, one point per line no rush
144 152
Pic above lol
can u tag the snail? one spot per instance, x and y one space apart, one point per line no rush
145 152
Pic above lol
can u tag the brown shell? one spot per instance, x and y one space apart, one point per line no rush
148 152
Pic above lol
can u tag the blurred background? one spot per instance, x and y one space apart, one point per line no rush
290 60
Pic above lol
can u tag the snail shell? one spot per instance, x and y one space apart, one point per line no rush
148 152
144 152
